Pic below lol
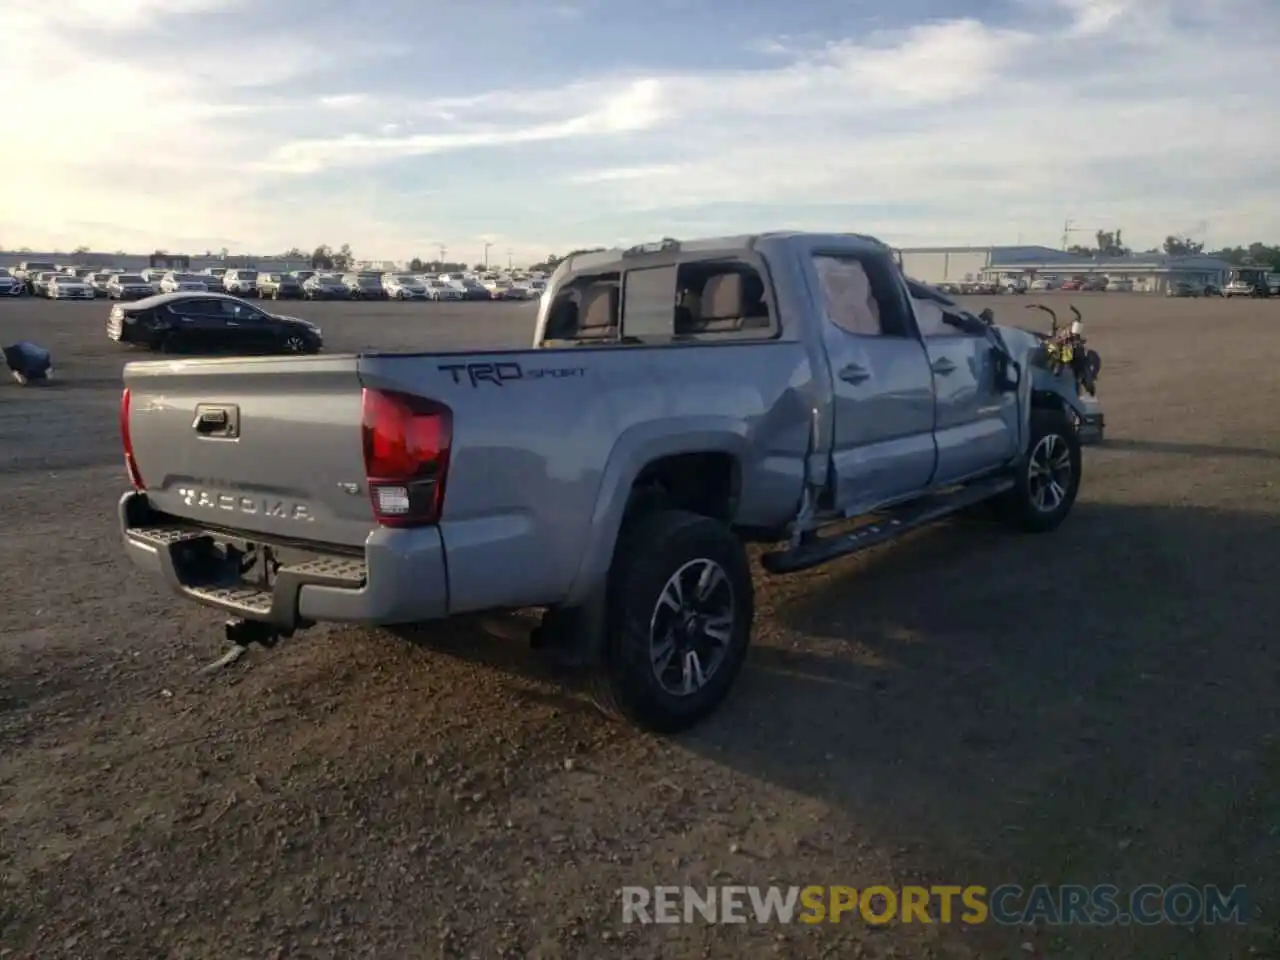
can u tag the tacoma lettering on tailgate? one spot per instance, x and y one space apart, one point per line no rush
257 506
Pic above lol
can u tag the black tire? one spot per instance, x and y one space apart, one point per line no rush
651 551
166 343
1053 438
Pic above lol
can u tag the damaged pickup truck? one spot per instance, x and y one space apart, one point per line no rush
679 400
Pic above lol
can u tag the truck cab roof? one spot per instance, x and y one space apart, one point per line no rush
592 260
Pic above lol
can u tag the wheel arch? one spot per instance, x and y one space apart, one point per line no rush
695 464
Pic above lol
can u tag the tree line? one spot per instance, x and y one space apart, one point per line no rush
326 258
1110 243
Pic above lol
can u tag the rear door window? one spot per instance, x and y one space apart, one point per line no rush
196 308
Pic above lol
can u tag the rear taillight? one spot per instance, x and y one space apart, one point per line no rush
126 438
407 441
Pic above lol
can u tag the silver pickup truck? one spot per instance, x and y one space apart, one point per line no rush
678 401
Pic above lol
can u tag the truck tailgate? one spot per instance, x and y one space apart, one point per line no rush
265 445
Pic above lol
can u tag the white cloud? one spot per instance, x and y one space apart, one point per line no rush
1094 17
343 101
667 171
113 15
1144 114
636 106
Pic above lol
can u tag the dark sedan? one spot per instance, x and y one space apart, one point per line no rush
209 323
365 286
129 286
474 290
324 286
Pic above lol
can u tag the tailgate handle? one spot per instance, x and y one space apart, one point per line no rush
217 420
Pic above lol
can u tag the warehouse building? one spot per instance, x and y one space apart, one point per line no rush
1148 272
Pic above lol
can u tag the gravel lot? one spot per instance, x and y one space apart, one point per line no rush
965 707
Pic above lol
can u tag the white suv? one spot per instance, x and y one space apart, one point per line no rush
404 287
241 283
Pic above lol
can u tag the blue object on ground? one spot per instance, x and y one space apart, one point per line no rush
28 361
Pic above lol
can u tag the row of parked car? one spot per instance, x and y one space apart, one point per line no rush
1038 285
86 283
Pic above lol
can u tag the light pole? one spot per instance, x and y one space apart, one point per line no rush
487 245
443 250
508 258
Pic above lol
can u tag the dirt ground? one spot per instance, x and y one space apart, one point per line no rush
965 707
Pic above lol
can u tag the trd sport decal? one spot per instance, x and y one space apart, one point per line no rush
500 374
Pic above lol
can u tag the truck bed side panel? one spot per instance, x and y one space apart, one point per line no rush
547 443
750 400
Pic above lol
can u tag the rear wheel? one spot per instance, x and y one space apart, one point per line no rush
678 621
1048 477
294 343
166 343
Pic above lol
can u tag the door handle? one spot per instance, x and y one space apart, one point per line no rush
943 366
854 374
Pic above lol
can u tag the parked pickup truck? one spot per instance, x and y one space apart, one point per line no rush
678 401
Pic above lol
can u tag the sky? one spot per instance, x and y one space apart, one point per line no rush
404 126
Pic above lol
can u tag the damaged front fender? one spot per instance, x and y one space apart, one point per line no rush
1048 387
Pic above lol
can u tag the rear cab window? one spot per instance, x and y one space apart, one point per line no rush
586 310
689 300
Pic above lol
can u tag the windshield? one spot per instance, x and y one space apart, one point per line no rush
130 278
370 281
247 275
38 266
4 272
406 279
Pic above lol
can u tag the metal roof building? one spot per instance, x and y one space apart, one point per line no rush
1149 272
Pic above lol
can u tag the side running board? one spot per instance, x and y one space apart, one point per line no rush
889 526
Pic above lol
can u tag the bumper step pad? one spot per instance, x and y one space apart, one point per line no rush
193 566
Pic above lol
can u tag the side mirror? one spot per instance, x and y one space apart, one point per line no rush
987 316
